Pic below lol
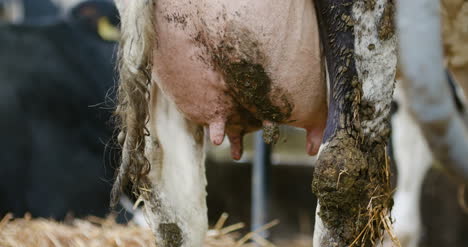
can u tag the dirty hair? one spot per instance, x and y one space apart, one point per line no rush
138 38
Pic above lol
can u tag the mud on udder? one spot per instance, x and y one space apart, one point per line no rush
240 59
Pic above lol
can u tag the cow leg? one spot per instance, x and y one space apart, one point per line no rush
413 159
351 178
175 204
429 97
163 152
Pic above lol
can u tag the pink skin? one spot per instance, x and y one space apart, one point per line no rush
314 139
236 146
216 130
183 68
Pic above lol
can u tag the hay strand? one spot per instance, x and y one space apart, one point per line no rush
98 232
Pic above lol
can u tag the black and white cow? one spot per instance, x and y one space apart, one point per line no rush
226 68
55 74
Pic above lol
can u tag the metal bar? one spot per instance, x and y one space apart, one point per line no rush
261 171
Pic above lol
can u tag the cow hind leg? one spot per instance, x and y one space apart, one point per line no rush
413 160
351 171
175 205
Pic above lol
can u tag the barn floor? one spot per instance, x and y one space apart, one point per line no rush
96 232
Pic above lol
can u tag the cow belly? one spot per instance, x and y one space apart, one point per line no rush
236 65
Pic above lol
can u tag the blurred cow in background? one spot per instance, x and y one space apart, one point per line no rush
420 136
55 72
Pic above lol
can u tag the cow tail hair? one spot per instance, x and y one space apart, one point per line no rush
138 38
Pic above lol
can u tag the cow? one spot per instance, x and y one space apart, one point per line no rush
55 74
190 68
413 160
420 135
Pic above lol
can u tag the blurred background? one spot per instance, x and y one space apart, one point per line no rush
58 155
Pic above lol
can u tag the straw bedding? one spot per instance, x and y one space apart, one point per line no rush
97 232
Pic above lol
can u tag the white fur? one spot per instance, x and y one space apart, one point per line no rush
319 228
413 159
380 64
426 89
177 193
177 172
121 4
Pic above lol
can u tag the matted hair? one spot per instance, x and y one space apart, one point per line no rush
138 38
